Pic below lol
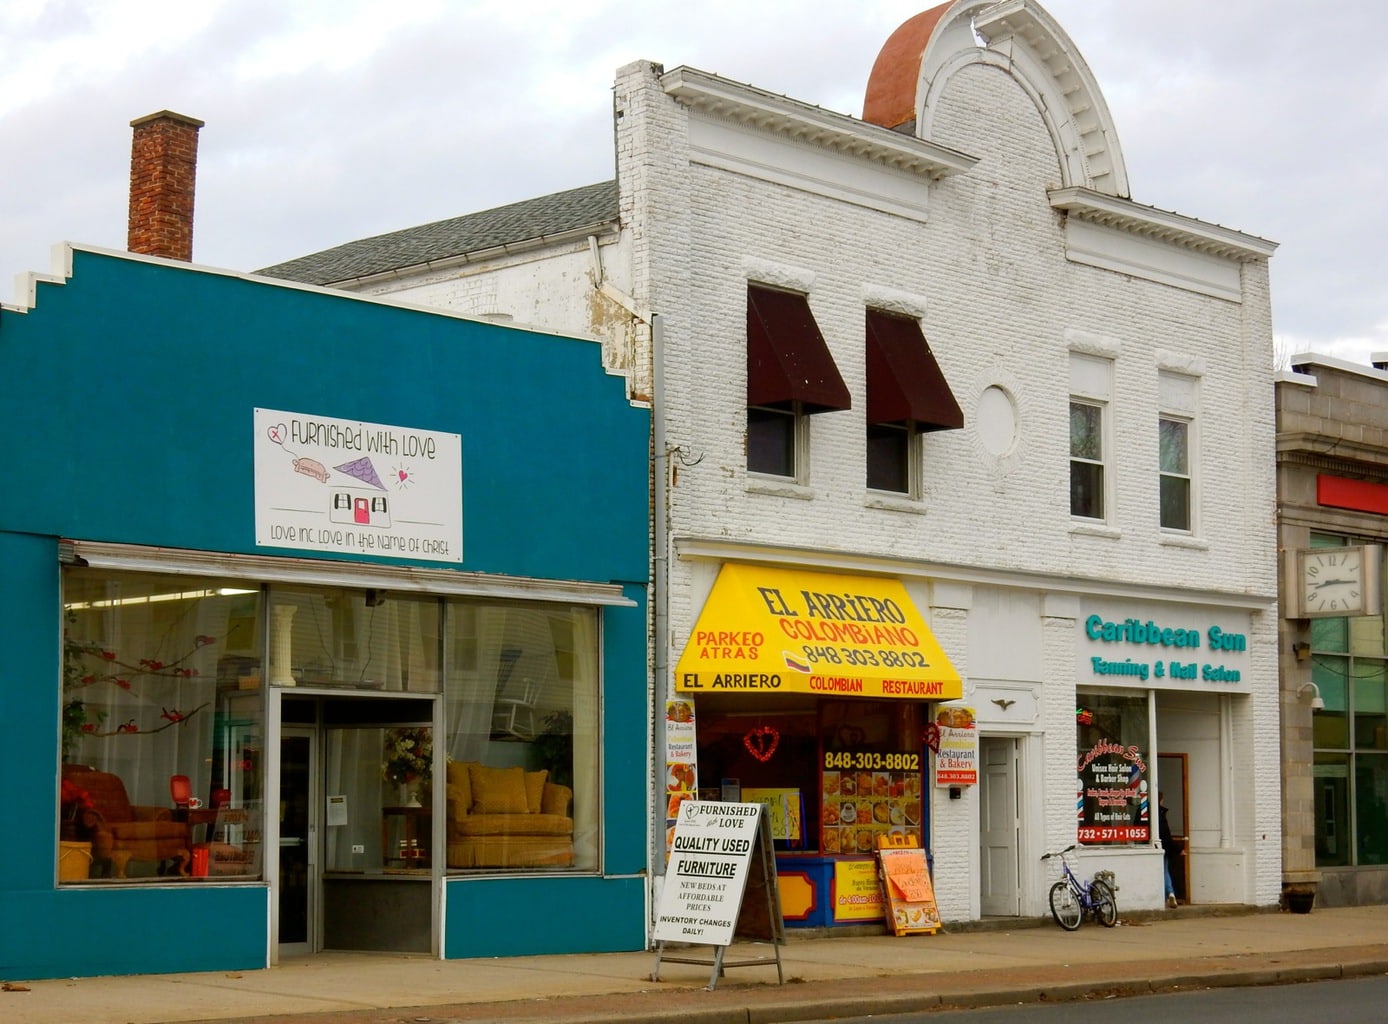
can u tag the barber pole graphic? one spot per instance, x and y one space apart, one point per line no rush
1139 786
1079 798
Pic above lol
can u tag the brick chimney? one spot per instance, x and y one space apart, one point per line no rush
163 166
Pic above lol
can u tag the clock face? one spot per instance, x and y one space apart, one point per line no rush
1332 581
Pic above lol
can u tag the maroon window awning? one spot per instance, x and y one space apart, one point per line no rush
787 359
904 382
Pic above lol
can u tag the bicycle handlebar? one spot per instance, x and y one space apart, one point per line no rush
1061 853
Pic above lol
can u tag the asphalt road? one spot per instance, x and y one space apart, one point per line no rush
1349 1001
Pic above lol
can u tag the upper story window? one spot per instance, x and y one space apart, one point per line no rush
907 395
1090 391
1086 460
774 439
1175 473
1175 432
893 458
790 376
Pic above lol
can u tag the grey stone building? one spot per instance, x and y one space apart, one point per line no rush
1332 494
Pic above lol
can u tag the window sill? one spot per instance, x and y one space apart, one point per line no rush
1095 530
778 488
894 503
1181 540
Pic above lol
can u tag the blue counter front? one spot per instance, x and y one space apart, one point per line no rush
819 891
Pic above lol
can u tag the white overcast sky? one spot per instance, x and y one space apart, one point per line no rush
331 120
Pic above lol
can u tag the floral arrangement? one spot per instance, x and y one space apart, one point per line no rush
80 816
408 755
75 798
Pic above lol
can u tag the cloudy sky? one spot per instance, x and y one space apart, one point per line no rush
330 120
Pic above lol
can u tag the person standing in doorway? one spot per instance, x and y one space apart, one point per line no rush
1168 847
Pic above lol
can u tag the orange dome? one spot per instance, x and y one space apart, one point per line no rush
891 90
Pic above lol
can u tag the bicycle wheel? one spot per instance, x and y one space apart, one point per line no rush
1105 903
1065 906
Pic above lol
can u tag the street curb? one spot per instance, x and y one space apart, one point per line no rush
770 1004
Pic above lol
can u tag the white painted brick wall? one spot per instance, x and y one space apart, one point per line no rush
1001 305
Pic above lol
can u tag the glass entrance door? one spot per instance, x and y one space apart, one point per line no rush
298 832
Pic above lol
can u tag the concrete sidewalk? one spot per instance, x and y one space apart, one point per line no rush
824 977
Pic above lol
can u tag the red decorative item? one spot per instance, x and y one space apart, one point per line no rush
932 737
762 742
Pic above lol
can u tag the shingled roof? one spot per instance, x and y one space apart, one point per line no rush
528 220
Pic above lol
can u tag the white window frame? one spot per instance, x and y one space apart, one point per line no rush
1178 400
1091 384
1101 462
800 448
915 456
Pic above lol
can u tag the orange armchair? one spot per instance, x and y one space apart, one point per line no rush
126 831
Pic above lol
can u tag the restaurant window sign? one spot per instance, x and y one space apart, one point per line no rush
1112 790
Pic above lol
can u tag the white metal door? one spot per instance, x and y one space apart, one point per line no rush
1000 892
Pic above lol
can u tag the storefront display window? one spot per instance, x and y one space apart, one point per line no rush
162 728
1113 796
872 758
163 717
853 768
362 639
521 694
1350 670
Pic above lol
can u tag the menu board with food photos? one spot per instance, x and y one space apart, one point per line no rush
867 794
906 887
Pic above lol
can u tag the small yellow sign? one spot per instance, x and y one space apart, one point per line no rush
782 810
857 894
788 631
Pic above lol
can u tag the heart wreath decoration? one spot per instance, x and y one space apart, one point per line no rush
932 737
762 742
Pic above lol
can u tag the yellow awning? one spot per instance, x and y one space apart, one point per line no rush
788 631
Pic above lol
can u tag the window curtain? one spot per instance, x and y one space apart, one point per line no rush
587 739
145 676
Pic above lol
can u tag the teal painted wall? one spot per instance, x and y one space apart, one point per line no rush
127 393
539 916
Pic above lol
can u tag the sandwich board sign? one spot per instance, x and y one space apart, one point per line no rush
716 848
907 892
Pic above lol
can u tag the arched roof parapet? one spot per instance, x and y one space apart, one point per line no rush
1020 38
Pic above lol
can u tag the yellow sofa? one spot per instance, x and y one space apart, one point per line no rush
507 818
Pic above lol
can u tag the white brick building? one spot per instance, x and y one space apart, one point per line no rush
1112 367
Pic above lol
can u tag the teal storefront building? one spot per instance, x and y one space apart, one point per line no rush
325 623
